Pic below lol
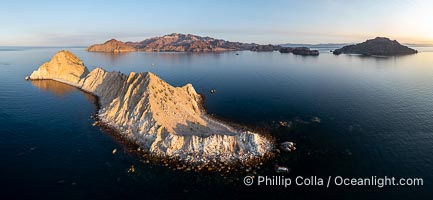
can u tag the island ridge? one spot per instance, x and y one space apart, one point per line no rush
164 120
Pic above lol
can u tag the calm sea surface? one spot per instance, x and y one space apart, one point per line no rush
376 119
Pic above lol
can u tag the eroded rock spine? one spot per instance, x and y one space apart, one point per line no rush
164 120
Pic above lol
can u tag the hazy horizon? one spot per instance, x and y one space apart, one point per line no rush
300 43
81 23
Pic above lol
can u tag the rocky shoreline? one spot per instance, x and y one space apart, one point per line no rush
163 120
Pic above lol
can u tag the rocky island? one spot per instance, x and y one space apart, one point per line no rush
112 46
268 47
177 42
379 46
164 120
187 42
286 50
305 51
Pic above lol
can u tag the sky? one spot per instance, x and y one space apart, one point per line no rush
83 22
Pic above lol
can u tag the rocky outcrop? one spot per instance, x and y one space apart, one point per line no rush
164 120
268 47
111 46
380 46
305 51
187 42
286 50
64 66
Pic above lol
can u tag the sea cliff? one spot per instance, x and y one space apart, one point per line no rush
164 120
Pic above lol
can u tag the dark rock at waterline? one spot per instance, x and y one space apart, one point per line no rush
379 46
287 146
281 169
268 47
286 50
305 51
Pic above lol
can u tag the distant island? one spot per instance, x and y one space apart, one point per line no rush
175 42
163 120
304 51
379 46
321 45
268 47
111 46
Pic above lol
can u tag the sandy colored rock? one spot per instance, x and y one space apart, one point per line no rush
164 120
64 67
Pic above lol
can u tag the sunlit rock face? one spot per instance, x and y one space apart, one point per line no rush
111 46
177 42
64 67
164 120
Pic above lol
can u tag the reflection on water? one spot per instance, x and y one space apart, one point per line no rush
60 89
57 88
171 57
112 57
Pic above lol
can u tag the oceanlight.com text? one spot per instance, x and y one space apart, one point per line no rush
331 181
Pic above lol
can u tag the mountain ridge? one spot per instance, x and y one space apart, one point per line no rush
178 42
